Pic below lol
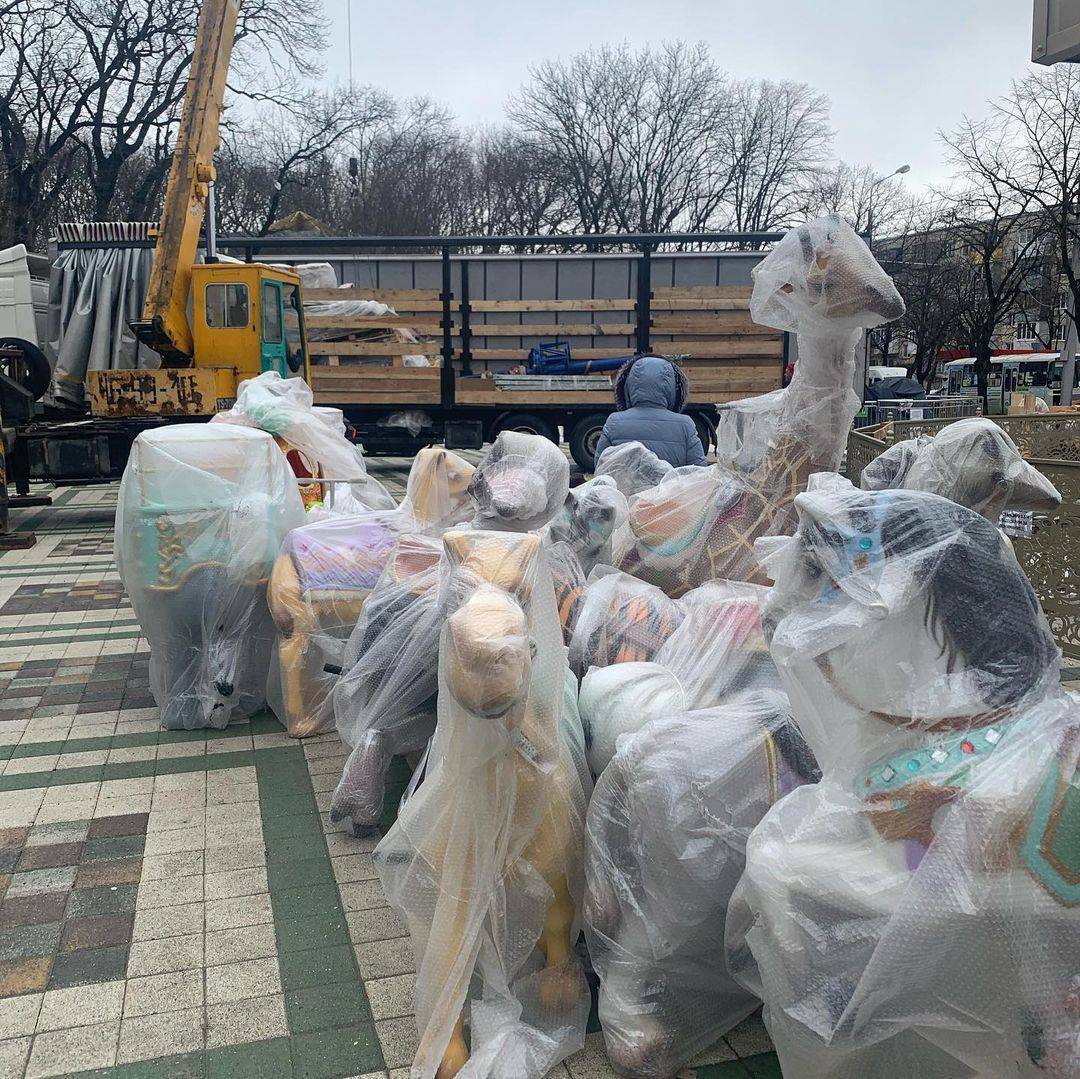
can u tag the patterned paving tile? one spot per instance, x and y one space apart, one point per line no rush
176 903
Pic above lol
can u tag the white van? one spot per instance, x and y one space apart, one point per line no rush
24 295
877 374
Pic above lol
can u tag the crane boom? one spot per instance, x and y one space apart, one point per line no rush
164 326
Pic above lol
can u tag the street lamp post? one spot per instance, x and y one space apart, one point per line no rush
870 212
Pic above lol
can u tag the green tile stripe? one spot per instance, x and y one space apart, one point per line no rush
332 1031
261 724
49 627
69 567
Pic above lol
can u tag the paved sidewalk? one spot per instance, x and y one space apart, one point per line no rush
174 903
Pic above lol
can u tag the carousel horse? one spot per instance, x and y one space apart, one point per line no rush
201 513
917 912
822 283
384 702
589 516
684 776
327 569
484 860
972 462
633 467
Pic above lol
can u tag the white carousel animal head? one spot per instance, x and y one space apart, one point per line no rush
520 484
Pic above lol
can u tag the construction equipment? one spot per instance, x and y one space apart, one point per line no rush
246 317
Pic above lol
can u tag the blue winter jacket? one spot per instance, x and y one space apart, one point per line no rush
649 392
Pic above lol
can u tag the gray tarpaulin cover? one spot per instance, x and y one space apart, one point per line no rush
93 295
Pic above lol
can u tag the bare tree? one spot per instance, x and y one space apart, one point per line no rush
856 193
641 136
777 140
921 256
995 254
87 86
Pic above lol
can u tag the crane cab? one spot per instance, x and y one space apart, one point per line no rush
246 318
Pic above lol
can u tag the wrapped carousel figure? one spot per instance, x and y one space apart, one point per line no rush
917 912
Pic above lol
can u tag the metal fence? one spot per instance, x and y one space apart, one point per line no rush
1050 556
933 408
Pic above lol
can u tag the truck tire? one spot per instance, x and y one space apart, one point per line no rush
706 431
584 436
530 424
38 372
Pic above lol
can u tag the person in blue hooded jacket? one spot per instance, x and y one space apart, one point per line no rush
650 394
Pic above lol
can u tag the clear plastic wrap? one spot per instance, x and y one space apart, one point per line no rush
384 701
918 911
973 462
620 619
822 283
888 470
201 513
633 467
589 516
484 860
665 847
284 407
737 448
327 568
716 650
520 484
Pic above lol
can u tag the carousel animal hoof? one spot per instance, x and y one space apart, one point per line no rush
360 793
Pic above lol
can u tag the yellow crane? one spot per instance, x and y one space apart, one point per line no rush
246 318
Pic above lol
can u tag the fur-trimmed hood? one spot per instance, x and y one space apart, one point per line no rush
651 381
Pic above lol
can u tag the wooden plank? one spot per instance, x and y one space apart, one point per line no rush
381 385
701 305
553 305
552 329
374 348
354 372
383 295
728 395
686 292
375 322
728 347
374 397
523 353
709 324
466 395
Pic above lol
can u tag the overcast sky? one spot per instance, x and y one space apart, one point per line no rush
897 72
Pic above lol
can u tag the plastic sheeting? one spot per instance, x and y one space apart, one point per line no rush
589 516
917 912
633 467
822 283
384 702
973 462
484 860
520 484
93 296
284 407
327 569
665 847
201 513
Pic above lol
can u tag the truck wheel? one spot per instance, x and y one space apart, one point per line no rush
529 424
584 436
706 432
38 372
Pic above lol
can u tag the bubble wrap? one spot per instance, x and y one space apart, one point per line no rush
620 619
520 484
917 912
590 514
325 572
484 860
633 467
384 701
201 513
822 283
973 462
284 407
665 841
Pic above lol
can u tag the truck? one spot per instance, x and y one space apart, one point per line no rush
443 363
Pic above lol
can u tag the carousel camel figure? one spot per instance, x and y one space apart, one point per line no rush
821 283
485 859
326 571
